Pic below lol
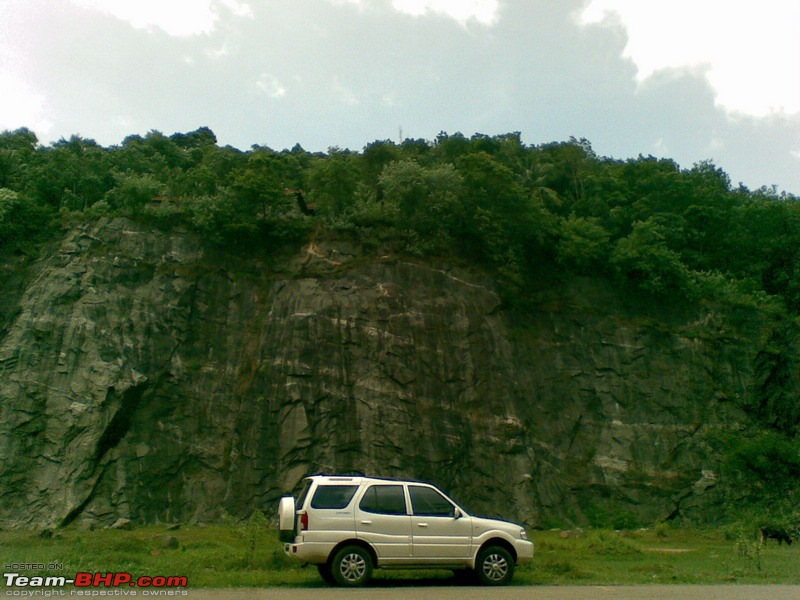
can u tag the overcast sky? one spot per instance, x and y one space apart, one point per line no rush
686 79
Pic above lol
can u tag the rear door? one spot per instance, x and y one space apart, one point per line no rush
438 532
330 510
382 519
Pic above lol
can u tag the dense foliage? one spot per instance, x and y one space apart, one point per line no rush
677 235
491 200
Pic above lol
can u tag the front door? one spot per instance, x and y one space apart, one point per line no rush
439 532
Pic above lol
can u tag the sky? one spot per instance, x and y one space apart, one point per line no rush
690 80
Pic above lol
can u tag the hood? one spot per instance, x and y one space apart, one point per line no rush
483 524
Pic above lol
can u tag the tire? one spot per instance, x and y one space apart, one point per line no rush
495 566
286 519
325 573
352 566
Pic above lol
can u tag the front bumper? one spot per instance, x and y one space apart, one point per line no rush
524 549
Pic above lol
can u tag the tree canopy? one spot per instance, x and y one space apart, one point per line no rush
509 207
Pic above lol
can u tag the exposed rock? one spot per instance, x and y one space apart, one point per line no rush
571 534
125 524
147 378
169 542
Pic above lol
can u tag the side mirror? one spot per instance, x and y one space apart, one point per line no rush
457 514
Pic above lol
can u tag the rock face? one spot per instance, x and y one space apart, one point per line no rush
146 377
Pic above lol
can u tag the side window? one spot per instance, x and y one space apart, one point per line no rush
333 496
384 499
430 503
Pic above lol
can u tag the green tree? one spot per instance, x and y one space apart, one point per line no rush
22 222
132 192
17 149
565 167
375 157
260 187
425 200
449 148
71 174
584 245
333 181
768 462
644 259
495 213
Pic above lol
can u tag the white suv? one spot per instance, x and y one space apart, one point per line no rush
348 526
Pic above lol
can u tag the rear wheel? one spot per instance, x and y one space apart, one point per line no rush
495 566
352 566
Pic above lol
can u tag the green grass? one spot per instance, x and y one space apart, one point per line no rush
230 556
662 555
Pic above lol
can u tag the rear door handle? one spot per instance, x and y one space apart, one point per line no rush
422 524
366 522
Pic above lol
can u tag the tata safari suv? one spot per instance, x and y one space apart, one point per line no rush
348 526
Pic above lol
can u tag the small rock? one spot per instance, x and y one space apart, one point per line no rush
570 534
122 523
170 542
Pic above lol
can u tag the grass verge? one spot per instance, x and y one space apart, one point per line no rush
252 556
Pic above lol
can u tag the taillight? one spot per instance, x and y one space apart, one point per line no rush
304 522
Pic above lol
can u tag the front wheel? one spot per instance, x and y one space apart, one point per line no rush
495 566
352 566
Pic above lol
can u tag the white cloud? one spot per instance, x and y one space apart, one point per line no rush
218 53
749 51
484 11
270 85
238 8
344 94
20 106
175 17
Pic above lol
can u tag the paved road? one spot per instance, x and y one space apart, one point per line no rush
643 592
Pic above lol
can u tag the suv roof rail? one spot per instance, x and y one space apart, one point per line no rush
376 477
342 474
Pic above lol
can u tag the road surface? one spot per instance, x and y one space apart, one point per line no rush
593 592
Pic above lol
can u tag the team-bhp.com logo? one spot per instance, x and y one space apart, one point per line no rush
94 584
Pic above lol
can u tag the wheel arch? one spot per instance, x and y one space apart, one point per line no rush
496 541
354 542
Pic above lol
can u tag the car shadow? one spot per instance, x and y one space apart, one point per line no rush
427 580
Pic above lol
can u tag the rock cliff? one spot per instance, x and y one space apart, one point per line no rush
144 375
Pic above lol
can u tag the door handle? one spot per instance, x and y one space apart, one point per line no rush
366 522
422 524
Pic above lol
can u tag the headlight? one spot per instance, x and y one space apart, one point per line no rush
523 534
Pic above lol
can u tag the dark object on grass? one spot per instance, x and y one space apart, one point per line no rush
776 533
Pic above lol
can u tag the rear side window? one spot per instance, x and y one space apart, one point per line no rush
333 496
384 499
